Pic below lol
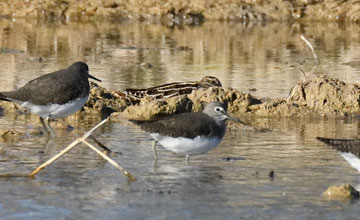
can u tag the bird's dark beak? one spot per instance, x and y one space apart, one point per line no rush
235 119
92 77
238 120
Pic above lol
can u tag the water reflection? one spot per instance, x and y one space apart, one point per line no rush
263 59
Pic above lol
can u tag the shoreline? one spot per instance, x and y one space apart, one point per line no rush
183 12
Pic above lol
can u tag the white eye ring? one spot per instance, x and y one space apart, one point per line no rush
218 109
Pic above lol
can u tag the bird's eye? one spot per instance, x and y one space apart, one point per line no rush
217 109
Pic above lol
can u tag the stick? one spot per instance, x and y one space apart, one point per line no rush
303 72
311 48
111 161
57 156
68 148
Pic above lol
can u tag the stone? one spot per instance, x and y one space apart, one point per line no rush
342 193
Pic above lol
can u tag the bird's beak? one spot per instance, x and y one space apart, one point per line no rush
238 120
235 119
92 77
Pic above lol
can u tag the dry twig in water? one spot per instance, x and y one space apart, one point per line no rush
76 142
126 173
311 48
312 52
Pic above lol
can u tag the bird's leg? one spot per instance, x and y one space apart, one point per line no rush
45 123
187 159
155 161
154 149
155 153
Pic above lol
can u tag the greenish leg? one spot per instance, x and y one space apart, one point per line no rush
45 123
154 149
187 159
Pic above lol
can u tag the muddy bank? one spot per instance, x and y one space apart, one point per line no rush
183 12
316 96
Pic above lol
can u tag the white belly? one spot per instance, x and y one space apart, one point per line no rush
55 110
186 146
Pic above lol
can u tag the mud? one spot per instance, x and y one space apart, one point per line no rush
176 12
342 193
105 102
326 96
10 135
316 96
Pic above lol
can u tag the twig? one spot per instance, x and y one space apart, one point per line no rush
311 48
126 173
68 148
303 72
57 156
292 10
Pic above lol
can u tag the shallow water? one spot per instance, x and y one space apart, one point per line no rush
230 182
262 59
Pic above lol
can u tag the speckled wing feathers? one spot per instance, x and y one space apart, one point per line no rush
188 125
60 92
343 145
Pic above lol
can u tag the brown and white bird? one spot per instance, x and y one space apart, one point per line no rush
170 89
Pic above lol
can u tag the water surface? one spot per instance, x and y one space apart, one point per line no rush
231 181
262 59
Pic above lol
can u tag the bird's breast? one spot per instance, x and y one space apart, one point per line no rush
187 146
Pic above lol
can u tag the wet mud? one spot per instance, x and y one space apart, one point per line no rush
316 96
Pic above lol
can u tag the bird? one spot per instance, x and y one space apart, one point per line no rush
54 95
343 145
190 133
170 89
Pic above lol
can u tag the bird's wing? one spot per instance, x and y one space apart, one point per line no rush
50 88
189 125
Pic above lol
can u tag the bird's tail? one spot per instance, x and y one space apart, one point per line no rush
340 142
3 97
343 145
137 122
